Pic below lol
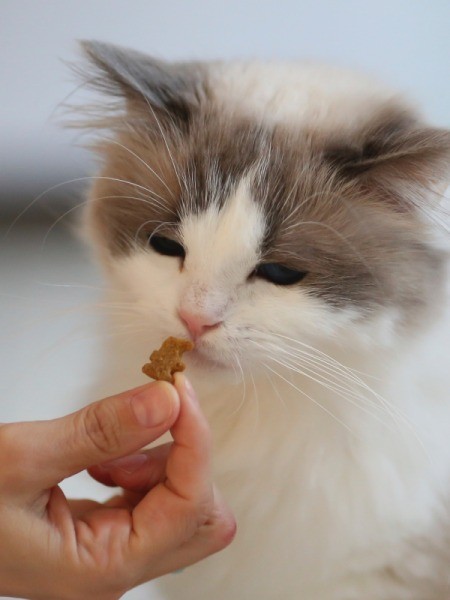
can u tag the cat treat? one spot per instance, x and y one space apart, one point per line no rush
168 359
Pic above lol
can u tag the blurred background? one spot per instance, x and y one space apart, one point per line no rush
49 287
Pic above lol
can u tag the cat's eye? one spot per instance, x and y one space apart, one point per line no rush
279 274
166 246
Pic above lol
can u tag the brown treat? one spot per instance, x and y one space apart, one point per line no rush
167 360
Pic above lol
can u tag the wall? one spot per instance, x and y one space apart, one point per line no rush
406 42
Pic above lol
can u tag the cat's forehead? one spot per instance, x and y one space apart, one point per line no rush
227 235
321 96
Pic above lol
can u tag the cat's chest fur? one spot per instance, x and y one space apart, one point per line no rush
331 497
322 513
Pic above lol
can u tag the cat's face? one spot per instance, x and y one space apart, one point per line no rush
248 235
206 277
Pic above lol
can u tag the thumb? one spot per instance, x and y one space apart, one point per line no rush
43 453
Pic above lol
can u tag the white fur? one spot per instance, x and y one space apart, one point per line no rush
318 97
335 473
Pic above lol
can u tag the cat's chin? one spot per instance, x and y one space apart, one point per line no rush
205 359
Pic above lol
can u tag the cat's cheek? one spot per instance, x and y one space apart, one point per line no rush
276 314
351 328
151 284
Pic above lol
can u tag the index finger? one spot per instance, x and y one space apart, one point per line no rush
188 467
169 513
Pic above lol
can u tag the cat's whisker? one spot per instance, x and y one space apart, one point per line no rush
399 419
110 309
70 338
67 182
318 352
329 369
332 369
233 366
161 224
145 199
141 227
93 305
397 416
74 285
296 208
323 365
343 386
318 404
148 201
333 388
117 333
255 390
60 218
326 359
141 160
336 386
237 369
394 412
180 179
244 392
276 391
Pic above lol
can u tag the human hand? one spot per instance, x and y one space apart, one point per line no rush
168 516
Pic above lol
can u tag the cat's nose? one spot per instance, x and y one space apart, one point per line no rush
198 323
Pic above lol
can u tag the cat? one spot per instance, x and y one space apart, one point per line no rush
290 218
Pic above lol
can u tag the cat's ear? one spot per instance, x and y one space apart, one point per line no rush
172 90
396 152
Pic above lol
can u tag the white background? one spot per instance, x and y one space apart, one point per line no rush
48 287
406 42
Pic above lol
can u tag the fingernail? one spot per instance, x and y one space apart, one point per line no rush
129 464
154 405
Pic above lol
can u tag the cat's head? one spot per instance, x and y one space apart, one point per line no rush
257 206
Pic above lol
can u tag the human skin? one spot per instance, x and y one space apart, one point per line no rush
167 516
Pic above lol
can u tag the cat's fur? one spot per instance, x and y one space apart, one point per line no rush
328 399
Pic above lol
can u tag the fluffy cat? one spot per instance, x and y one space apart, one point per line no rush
290 218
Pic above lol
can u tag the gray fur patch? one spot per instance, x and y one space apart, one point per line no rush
170 87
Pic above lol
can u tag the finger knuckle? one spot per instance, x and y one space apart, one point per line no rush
101 427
